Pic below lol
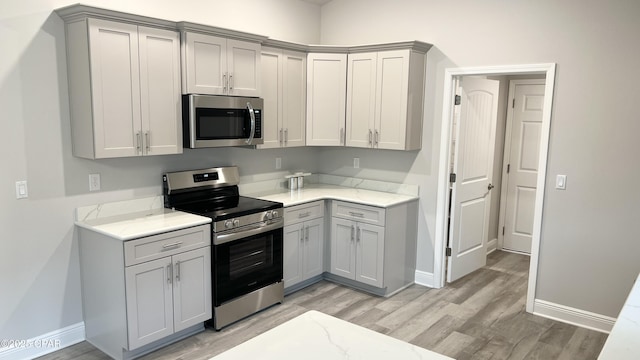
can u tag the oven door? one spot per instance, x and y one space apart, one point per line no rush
243 265
213 121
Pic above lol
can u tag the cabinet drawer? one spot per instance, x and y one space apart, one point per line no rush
362 213
167 244
299 213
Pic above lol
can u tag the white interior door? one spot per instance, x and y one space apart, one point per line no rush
522 148
473 166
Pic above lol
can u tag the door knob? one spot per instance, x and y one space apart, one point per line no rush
490 187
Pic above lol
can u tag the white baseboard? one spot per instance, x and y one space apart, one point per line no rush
424 278
43 344
492 245
573 316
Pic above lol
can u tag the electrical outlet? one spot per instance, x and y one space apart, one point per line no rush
356 163
278 163
22 192
94 182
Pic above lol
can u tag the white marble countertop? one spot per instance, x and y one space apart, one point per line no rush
333 192
622 343
314 335
142 223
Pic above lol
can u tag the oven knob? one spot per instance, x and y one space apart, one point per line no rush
228 224
236 223
275 214
268 215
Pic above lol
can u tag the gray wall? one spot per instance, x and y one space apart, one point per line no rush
589 249
38 248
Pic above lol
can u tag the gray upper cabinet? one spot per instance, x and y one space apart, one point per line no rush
219 66
385 91
124 89
284 84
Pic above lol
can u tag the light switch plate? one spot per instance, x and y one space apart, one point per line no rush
22 191
356 163
278 163
561 182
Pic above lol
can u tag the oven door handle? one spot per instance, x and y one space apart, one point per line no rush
252 115
250 230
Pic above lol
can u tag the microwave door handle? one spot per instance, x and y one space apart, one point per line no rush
253 123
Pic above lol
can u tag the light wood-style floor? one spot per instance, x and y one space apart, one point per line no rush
481 316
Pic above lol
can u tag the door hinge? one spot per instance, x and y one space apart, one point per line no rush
508 168
452 177
448 251
457 100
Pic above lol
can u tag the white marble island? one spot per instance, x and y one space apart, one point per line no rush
314 335
623 341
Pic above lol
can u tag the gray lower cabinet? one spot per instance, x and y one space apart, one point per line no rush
373 248
303 246
144 293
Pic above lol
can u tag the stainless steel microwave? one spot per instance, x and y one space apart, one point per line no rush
216 121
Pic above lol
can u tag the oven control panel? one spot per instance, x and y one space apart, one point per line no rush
268 216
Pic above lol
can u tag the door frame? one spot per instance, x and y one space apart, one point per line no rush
442 199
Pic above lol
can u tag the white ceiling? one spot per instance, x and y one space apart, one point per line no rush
317 2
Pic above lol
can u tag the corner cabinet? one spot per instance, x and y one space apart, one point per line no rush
326 93
373 248
284 81
141 294
219 66
303 246
124 89
385 93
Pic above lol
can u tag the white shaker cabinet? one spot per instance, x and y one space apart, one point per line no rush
373 248
357 248
284 74
143 293
168 295
219 66
124 85
385 93
326 93
303 246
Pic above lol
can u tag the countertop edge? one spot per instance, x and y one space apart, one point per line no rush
193 220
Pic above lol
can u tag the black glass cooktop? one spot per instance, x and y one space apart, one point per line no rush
229 207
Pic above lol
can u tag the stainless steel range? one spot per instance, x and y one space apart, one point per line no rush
247 240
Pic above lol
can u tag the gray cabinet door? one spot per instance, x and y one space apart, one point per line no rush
313 251
343 248
149 301
369 254
191 288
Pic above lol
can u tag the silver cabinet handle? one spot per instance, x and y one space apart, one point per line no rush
358 234
286 136
356 214
253 123
302 233
147 143
281 137
167 246
224 82
230 82
353 228
138 140
370 136
169 275
304 215
376 138
177 270
306 236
